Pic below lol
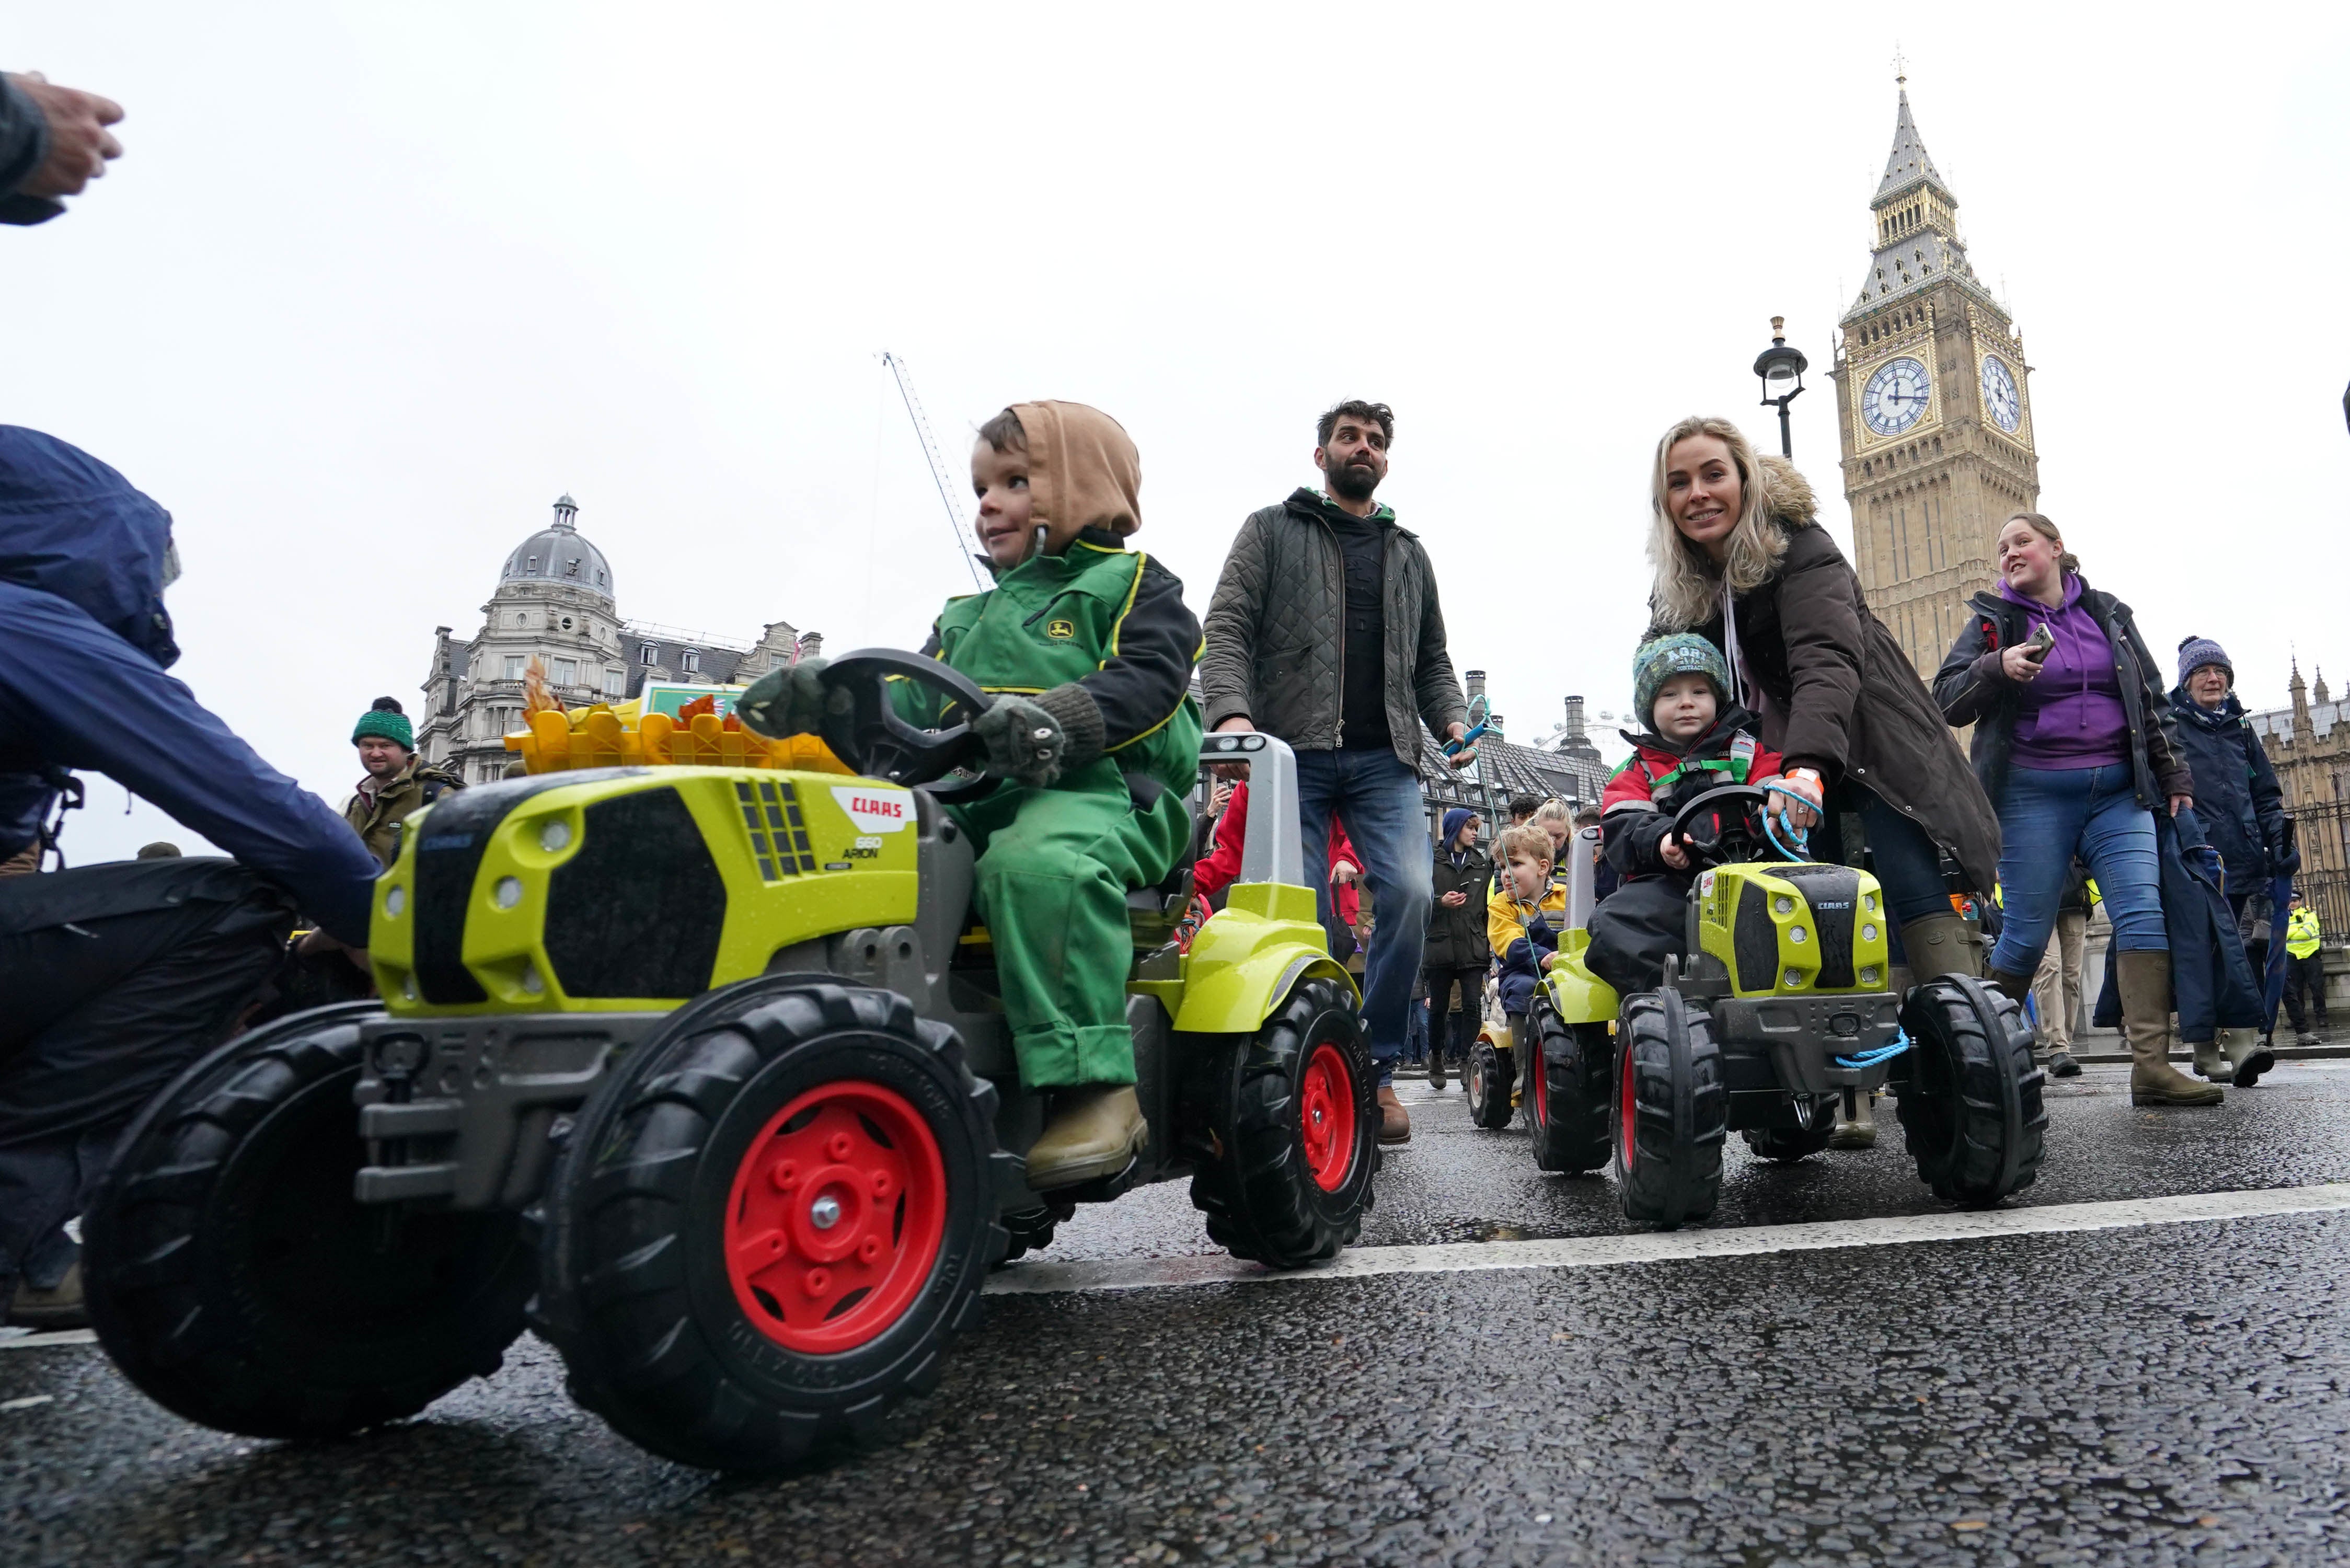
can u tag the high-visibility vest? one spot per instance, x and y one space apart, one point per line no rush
2301 933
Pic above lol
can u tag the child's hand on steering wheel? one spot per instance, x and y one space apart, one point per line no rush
1669 850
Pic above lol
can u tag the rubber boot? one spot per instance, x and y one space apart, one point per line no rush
2016 987
2247 1056
2144 980
1436 1066
1394 1122
1096 1131
2209 1062
60 1306
1860 1132
1940 944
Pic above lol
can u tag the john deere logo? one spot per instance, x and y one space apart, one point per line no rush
1063 630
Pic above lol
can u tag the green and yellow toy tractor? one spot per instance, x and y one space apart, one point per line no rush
1787 1006
701 1072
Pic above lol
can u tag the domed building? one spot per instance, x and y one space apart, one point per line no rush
555 601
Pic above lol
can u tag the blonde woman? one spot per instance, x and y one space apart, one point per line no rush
1742 560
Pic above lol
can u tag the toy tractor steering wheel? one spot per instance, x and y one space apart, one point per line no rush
873 739
1725 826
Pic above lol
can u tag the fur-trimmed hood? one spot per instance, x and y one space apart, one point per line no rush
1792 504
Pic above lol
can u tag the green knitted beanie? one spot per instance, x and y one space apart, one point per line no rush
388 721
1682 653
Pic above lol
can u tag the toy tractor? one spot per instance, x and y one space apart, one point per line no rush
1787 1005
701 1073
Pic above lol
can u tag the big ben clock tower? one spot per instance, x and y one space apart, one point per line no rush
1932 409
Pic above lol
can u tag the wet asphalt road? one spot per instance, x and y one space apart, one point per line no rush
2166 1393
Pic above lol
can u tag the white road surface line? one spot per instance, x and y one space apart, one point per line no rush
20 1341
1042 1278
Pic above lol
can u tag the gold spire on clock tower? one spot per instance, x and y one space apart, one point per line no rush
1932 409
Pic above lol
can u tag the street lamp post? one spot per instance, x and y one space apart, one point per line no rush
1782 370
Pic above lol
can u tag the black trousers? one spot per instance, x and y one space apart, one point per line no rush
2309 972
115 978
1455 1038
1642 923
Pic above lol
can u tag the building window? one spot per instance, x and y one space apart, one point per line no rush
514 666
646 654
616 682
566 672
571 567
600 579
691 661
530 565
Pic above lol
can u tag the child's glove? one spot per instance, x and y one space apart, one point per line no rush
1024 743
791 702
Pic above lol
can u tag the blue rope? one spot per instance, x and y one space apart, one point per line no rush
1802 847
1885 1052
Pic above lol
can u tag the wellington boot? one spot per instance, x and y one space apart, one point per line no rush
1860 1132
2145 984
2016 987
1940 944
1436 1069
1096 1131
1394 1122
2209 1062
2247 1055
60 1306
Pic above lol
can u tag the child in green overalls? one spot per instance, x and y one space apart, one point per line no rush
1086 647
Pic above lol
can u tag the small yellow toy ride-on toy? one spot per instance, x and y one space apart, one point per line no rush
1491 1073
1785 1006
701 1071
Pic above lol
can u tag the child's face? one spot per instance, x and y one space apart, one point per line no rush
1684 707
1001 481
1528 874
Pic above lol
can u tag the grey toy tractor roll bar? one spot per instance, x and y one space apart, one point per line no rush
1275 851
1581 877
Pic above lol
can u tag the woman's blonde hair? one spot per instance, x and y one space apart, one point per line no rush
2066 560
1689 585
1553 810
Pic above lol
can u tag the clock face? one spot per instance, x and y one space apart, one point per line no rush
2001 399
1895 398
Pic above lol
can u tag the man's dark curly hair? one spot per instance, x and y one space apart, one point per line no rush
1355 408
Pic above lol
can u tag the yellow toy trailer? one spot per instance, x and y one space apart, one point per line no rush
699 1071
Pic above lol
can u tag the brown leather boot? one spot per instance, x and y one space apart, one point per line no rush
1940 944
1095 1131
1394 1122
2144 980
2017 988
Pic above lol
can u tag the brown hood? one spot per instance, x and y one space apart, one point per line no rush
1083 470
1793 504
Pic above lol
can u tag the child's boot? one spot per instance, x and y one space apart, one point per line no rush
1096 1131
2144 980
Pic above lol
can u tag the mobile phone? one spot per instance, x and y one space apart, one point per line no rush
2042 639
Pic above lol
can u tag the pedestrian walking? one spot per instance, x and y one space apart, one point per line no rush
2073 740
1454 960
2304 968
1740 559
1325 630
2241 808
2056 987
394 784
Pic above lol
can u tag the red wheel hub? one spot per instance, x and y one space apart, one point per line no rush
836 1216
1541 1078
1327 1116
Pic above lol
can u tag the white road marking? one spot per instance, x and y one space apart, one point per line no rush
1040 1277
20 1340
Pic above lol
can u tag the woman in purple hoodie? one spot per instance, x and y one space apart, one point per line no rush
2076 745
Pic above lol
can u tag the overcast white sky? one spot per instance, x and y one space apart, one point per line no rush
376 282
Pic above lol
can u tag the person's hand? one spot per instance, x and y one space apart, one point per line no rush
2021 661
1453 899
1344 872
1237 724
79 144
1801 806
1457 731
1024 743
1669 850
2179 803
788 701
1220 796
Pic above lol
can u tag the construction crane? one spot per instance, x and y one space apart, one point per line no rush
955 523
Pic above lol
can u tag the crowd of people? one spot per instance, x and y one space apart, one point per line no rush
1324 629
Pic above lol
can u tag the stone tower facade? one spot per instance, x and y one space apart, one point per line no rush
1932 409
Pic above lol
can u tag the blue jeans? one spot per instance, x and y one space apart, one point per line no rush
2047 815
1378 800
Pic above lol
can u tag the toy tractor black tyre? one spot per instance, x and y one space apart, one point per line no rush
1784 1146
769 1223
1031 1230
1669 1113
1489 1078
1283 1128
235 1279
1569 1085
1967 1092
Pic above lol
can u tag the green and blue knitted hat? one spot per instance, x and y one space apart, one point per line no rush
1682 653
385 718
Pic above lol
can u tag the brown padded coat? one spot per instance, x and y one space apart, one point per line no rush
1844 698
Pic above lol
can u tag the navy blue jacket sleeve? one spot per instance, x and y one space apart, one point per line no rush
75 695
